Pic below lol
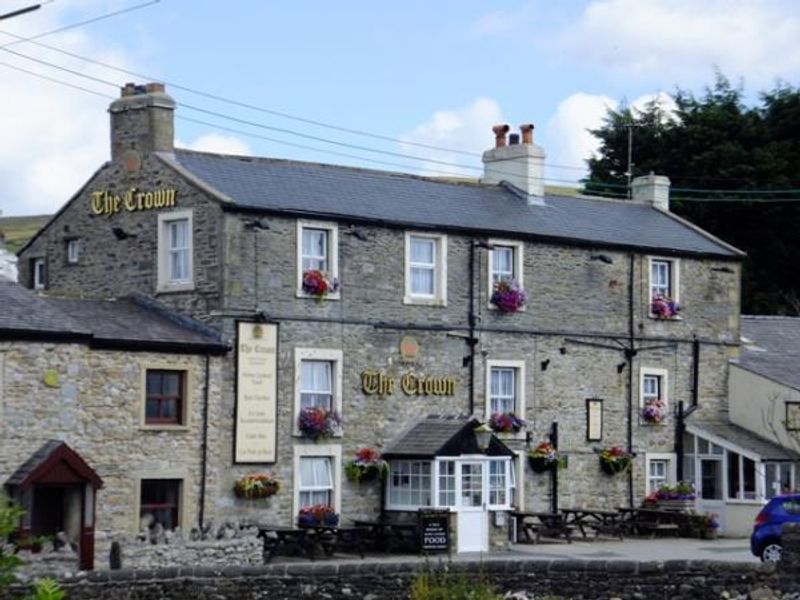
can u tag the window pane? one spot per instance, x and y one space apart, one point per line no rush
471 484
502 263
502 390
423 251
660 278
497 482
422 281
159 502
733 475
711 479
748 479
315 249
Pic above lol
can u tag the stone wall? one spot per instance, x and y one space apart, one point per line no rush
93 401
526 579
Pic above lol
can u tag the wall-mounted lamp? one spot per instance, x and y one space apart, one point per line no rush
621 367
357 233
604 258
483 436
544 364
563 350
722 269
482 244
465 361
121 234
258 224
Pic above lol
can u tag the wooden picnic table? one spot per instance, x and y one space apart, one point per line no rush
277 537
534 525
650 521
390 535
609 522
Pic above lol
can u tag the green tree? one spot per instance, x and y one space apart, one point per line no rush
10 514
716 142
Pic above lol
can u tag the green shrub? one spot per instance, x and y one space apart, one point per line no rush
444 586
10 514
47 589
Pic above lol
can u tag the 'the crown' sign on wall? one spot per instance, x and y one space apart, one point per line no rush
134 200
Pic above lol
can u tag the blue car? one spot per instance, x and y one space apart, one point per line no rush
765 542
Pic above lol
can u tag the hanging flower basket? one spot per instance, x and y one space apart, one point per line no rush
506 422
614 460
653 411
508 296
317 515
319 284
315 423
256 485
543 458
368 465
664 307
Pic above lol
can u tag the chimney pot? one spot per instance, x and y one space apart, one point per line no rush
154 87
527 133
128 90
513 139
500 132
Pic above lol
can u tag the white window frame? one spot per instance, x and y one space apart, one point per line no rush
334 452
508 482
434 484
674 283
333 255
652 371
439 297
519 381
165 284
73 251
322 354
39 275
519 271
672 467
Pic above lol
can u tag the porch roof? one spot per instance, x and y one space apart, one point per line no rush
442 435
741 440
44 464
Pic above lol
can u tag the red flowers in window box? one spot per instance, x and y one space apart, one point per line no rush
315 422
664 307
506 422
319 283
508 296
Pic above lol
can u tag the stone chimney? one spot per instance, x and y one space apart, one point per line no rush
142 121
521 165
651 189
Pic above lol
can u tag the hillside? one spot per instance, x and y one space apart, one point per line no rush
19 230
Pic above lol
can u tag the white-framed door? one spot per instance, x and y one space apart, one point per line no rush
471 506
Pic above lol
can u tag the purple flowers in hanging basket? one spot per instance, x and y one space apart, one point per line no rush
508 296
506 422
653 411
664 307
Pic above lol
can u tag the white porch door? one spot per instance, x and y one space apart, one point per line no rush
473 522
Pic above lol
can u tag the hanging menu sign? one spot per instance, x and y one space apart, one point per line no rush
256 392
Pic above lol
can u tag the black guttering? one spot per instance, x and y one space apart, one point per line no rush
736 256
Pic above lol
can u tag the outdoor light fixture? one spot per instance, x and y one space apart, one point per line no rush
121 234
258 224
357 233
621 367
602 258
563 349
544 364
722 269
483 435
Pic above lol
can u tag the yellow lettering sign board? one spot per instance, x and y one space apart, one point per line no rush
256 393
380 384
104 203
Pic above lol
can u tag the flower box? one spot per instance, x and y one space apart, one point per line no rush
315 423
664 307
506 422
256 485
367 466
676 505
614 460
543 458
319 284
508 296
319 515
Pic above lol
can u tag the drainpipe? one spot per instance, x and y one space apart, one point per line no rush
554 472
204 448
630 352
471 324
680 427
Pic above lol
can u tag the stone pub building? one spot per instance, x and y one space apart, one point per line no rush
374 295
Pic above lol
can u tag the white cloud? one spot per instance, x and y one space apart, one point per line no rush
53 137
468 129
218 143
682 40
569 140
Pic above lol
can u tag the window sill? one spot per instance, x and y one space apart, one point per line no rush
422 301
296 434
165 427
331 296
166 288
511 435
675 318
494 308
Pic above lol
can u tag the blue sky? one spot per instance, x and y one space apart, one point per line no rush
436 73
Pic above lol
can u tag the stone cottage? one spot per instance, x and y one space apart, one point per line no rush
360 302
105 412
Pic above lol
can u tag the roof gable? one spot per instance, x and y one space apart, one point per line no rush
54 462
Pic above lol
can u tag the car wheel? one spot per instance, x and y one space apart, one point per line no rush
771 553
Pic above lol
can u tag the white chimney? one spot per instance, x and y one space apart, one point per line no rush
521 165
651 189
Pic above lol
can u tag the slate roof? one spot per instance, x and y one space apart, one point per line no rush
441 435
405 200
743 438
771 348
35 459
131 322
53 452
